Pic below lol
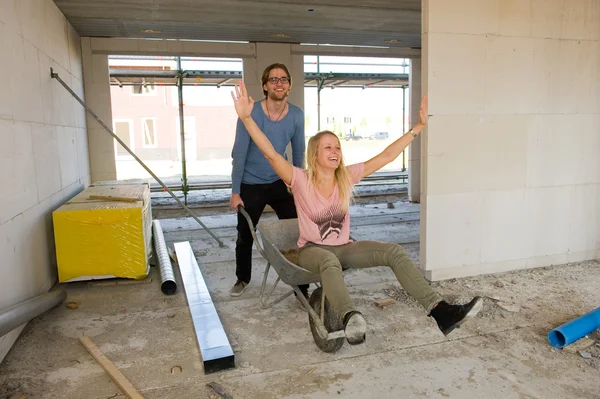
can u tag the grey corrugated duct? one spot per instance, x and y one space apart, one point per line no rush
168 285
21 313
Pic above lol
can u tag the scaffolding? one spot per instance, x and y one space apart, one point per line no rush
180 77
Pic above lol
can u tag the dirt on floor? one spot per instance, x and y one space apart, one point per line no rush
523 298
502 353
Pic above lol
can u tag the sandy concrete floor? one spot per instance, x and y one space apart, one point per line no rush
503 353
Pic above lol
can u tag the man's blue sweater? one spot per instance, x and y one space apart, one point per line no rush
249 165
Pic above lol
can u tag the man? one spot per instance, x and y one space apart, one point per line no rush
254 182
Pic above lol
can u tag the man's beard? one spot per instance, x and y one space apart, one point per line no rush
278 97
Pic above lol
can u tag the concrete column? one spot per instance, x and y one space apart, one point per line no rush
414 150
97 94
267 54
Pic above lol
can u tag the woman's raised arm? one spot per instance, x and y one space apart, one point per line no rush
243 106
392 151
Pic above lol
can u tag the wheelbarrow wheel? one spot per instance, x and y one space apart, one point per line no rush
331 321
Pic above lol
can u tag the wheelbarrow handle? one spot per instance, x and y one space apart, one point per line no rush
252 230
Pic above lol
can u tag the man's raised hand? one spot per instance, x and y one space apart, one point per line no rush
242 101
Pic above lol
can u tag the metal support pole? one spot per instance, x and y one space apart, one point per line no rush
404 128
318 97
182 130
319 108
320 83
109 130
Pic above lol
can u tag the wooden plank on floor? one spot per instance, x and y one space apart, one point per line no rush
215 348
110 368
114 198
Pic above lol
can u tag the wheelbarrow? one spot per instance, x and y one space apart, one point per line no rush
282 235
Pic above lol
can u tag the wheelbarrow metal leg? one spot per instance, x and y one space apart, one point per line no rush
263 300
336 335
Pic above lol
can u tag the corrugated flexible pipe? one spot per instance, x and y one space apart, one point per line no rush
21 313
168 284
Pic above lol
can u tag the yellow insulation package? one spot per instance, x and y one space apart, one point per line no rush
103 232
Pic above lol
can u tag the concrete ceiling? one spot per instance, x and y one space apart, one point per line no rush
347 22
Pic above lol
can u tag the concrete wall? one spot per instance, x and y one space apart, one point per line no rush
512 152
43 150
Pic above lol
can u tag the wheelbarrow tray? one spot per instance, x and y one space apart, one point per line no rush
282 235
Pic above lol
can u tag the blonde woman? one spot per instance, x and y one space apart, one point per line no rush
322 195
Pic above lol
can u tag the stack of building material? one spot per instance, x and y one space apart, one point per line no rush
105 231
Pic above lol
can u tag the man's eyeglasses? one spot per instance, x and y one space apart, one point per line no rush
283 80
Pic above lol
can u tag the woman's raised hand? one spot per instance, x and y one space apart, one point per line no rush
423 116
242 101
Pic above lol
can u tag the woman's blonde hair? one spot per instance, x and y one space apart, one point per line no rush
341 175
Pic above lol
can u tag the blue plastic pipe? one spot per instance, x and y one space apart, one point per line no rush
575 329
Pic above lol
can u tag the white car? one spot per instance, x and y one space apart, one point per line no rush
379 136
